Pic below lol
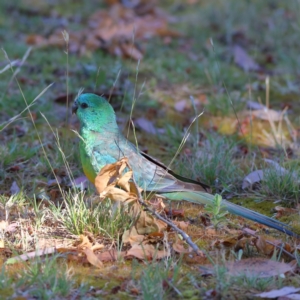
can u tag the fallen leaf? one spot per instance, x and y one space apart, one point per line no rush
14 189
263 247
55 194
92 258
283 211
85 242
131 236
258 175
110 255
124 181
116 194
174 212
131 51
182 225
181 247
180 105
244 60
242 243
258 267
229 242
30 255
268 114
109 174
118 30
55 181
210 232
253 177
37 40
145 125
146 252
80 182
280 170
14 168
285 291
255 105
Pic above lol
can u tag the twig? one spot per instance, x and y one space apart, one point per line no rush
170 223
175 228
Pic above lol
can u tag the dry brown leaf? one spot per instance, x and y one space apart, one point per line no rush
71 254
92 43
123 182
229 242
258 267
110 255
92 258
97 246
147 224
113 30
141 251
211 231
162 226
263 247
116 194
181 247
85 242
110 174
37 40
136 190
146 252
131 236
30 255
107 175
182 225
283 211
131 51
242 243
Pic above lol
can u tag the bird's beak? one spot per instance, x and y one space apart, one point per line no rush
74 107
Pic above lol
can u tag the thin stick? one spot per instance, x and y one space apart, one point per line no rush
170 223
174 227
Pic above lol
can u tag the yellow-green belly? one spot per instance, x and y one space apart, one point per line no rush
87 166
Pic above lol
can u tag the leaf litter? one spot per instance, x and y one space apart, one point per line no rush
151 239
119 30
143 251
148 230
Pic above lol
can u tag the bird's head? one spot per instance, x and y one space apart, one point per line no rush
94 112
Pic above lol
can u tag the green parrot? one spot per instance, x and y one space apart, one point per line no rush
103 143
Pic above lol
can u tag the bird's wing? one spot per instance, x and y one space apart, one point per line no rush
196 185
149 174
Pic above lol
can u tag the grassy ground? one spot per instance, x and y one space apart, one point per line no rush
36 148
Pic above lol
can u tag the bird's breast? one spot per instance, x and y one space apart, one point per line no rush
87 164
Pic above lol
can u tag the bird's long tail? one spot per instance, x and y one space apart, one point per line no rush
205 198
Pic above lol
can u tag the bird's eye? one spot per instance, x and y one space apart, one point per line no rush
83 105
